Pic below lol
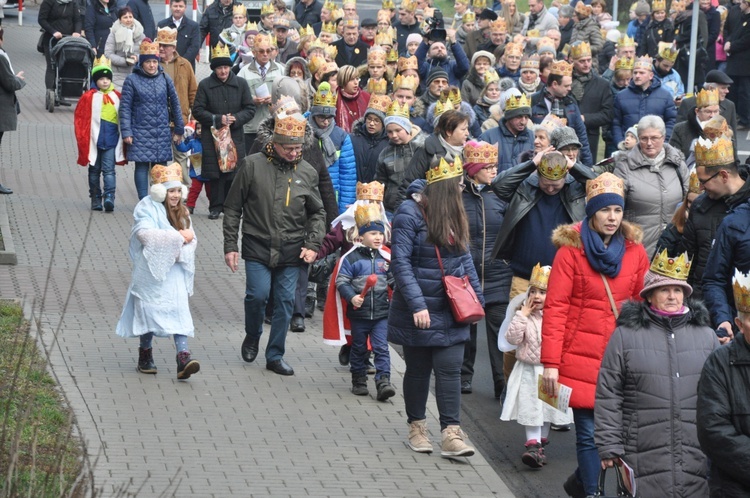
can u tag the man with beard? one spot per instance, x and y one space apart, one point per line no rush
432 54
481 35
664 71
592 94
512 134
685 133
625 50
436 82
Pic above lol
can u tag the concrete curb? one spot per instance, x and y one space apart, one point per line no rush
8 255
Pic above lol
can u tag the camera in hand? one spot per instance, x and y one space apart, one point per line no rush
434 27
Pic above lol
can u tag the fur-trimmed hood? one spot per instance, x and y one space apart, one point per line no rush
298 60
636 315
570 235
265 133
418 109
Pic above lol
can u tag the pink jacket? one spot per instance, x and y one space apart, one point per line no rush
526 333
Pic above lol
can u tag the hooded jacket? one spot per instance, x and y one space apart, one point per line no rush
475 127
646 399
367 149
392 164
578 318
634 102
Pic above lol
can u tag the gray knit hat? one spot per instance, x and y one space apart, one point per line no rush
564 136
435 73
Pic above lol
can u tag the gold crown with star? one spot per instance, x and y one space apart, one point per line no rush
324 97
267 9
695 186
705 98
161 173
406 63
606 183
644 62
482 153
658 5
469 17
441 107
331 51
392 55
741 290
625 41
553 166
540 275
379 101
517 102
561 68
667 266
102 61
580 49
499 25
668 51
292 125
372 191
445 170
329 5
398 110
366 214
709 153
625 63
239 10
491 76
328 27
376 56
406 82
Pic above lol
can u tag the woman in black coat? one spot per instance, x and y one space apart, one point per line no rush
100 15
57 18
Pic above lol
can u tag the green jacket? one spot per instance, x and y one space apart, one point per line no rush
280 206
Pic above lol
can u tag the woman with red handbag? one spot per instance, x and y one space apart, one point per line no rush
430 231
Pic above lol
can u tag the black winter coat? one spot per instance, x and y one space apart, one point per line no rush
684 133
213 99
367 149
420 163
98 22
656 32
598 108
142 13
723 418
215 19
54 17
738 60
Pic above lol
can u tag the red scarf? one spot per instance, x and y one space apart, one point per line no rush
349 108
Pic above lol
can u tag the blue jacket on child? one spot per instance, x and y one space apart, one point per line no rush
356 266
192 146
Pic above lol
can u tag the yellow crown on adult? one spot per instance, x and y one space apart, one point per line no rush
166 36
553 166
239 10
583 9
561 68
388 4
481 153
384 15
530 62
350 22
479 4
337 14
251 26
668 51
499 25
463 2
452 94
491 76
161 173
372 191
606 183
705 98
328 67
290 126
149 48
409 5
645 63
442 107
625 41
657 5
324 96
540 275
514 102
695 186
102 61
315 63
580 49
445 170
469 17
273 41
331 51
405 82
353 3
392 55
677 6
366 214
717 126
719 152
267 9
406 63
625 63
308 31
382 38
668 266
376 56
317 43
741 288
330 6
398 110
377 89
328 27
285 105
514 49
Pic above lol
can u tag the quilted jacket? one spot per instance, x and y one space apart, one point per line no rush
633 103
526 333
145 115
578 318
419 284
352 276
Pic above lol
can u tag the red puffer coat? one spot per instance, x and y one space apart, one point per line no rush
578 319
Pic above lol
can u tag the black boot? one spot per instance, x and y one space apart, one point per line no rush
96 203
186 366
359 385
385 389
344 353
250 348
146 361
297 324
109 203
310 300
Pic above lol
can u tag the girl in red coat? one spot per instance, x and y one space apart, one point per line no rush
600 263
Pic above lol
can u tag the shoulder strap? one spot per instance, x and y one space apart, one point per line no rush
611 298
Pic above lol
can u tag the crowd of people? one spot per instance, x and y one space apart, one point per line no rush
594 206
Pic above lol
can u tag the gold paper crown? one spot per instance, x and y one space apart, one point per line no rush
392 55
553 166
273 41
316 62
251 26
545 43
720 152
717 126
409 5
261 39
329 5
705 98
552 122
152 48
351 22
376 55
364 215
479 4
561 68
285 105
469 17
644 62
328 67
517 102
583 9
324 96
515 49
337 14
741 288
382 38
491 76
531 62
580 49
625 63
445 170
658 5
677 6
163 174
317 44
406 63
695 186
331 51
267 9
239 10
534 33
384 15
401 111
308 31
482 153
290 126
328 27
166 36
499 25
668 51
388 4
463 2
540 275
442 107
677 268
452 94
379 88
102 61
407 82
372 191
606 183
379 102
625 41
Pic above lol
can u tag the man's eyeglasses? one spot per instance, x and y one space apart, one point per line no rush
703 182
296 149
261 51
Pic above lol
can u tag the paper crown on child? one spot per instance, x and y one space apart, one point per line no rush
376 55
102 68
668 51
658 5
553 166
405 63
445 170
705 98
379 102
625 63
677 268
719 152
398 110
164 178
368 217
741 288
580 49
540 276
372 191
606 183
480 152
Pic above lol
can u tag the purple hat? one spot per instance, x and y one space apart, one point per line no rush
654 280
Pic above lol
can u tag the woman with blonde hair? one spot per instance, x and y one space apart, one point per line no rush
352 100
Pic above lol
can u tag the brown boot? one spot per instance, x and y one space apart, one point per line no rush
419 441
186 366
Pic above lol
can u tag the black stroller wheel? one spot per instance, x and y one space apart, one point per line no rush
49 100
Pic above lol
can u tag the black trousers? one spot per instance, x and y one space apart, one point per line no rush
494 316
219 190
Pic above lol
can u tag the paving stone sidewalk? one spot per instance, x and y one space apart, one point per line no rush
234 429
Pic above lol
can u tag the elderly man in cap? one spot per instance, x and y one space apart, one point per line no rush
512 134
368 29
718 80
279 233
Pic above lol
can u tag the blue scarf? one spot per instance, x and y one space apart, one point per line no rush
604 259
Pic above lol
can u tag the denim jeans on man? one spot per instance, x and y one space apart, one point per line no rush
257 290
377 331
446 363
105 168
589 463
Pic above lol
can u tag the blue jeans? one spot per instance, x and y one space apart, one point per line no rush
141 178
377 331
104 167
589 463
257 290
446 363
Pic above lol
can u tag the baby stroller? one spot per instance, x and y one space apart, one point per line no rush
72 60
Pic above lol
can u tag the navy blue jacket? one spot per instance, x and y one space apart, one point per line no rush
350 281
457 68
572 114
633 103
188 37
97 24
511 146
142 12
367 149
731 250
419 284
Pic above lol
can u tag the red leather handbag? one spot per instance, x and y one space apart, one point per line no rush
465 304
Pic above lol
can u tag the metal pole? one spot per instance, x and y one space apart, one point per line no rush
615 15
690 85
20 12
